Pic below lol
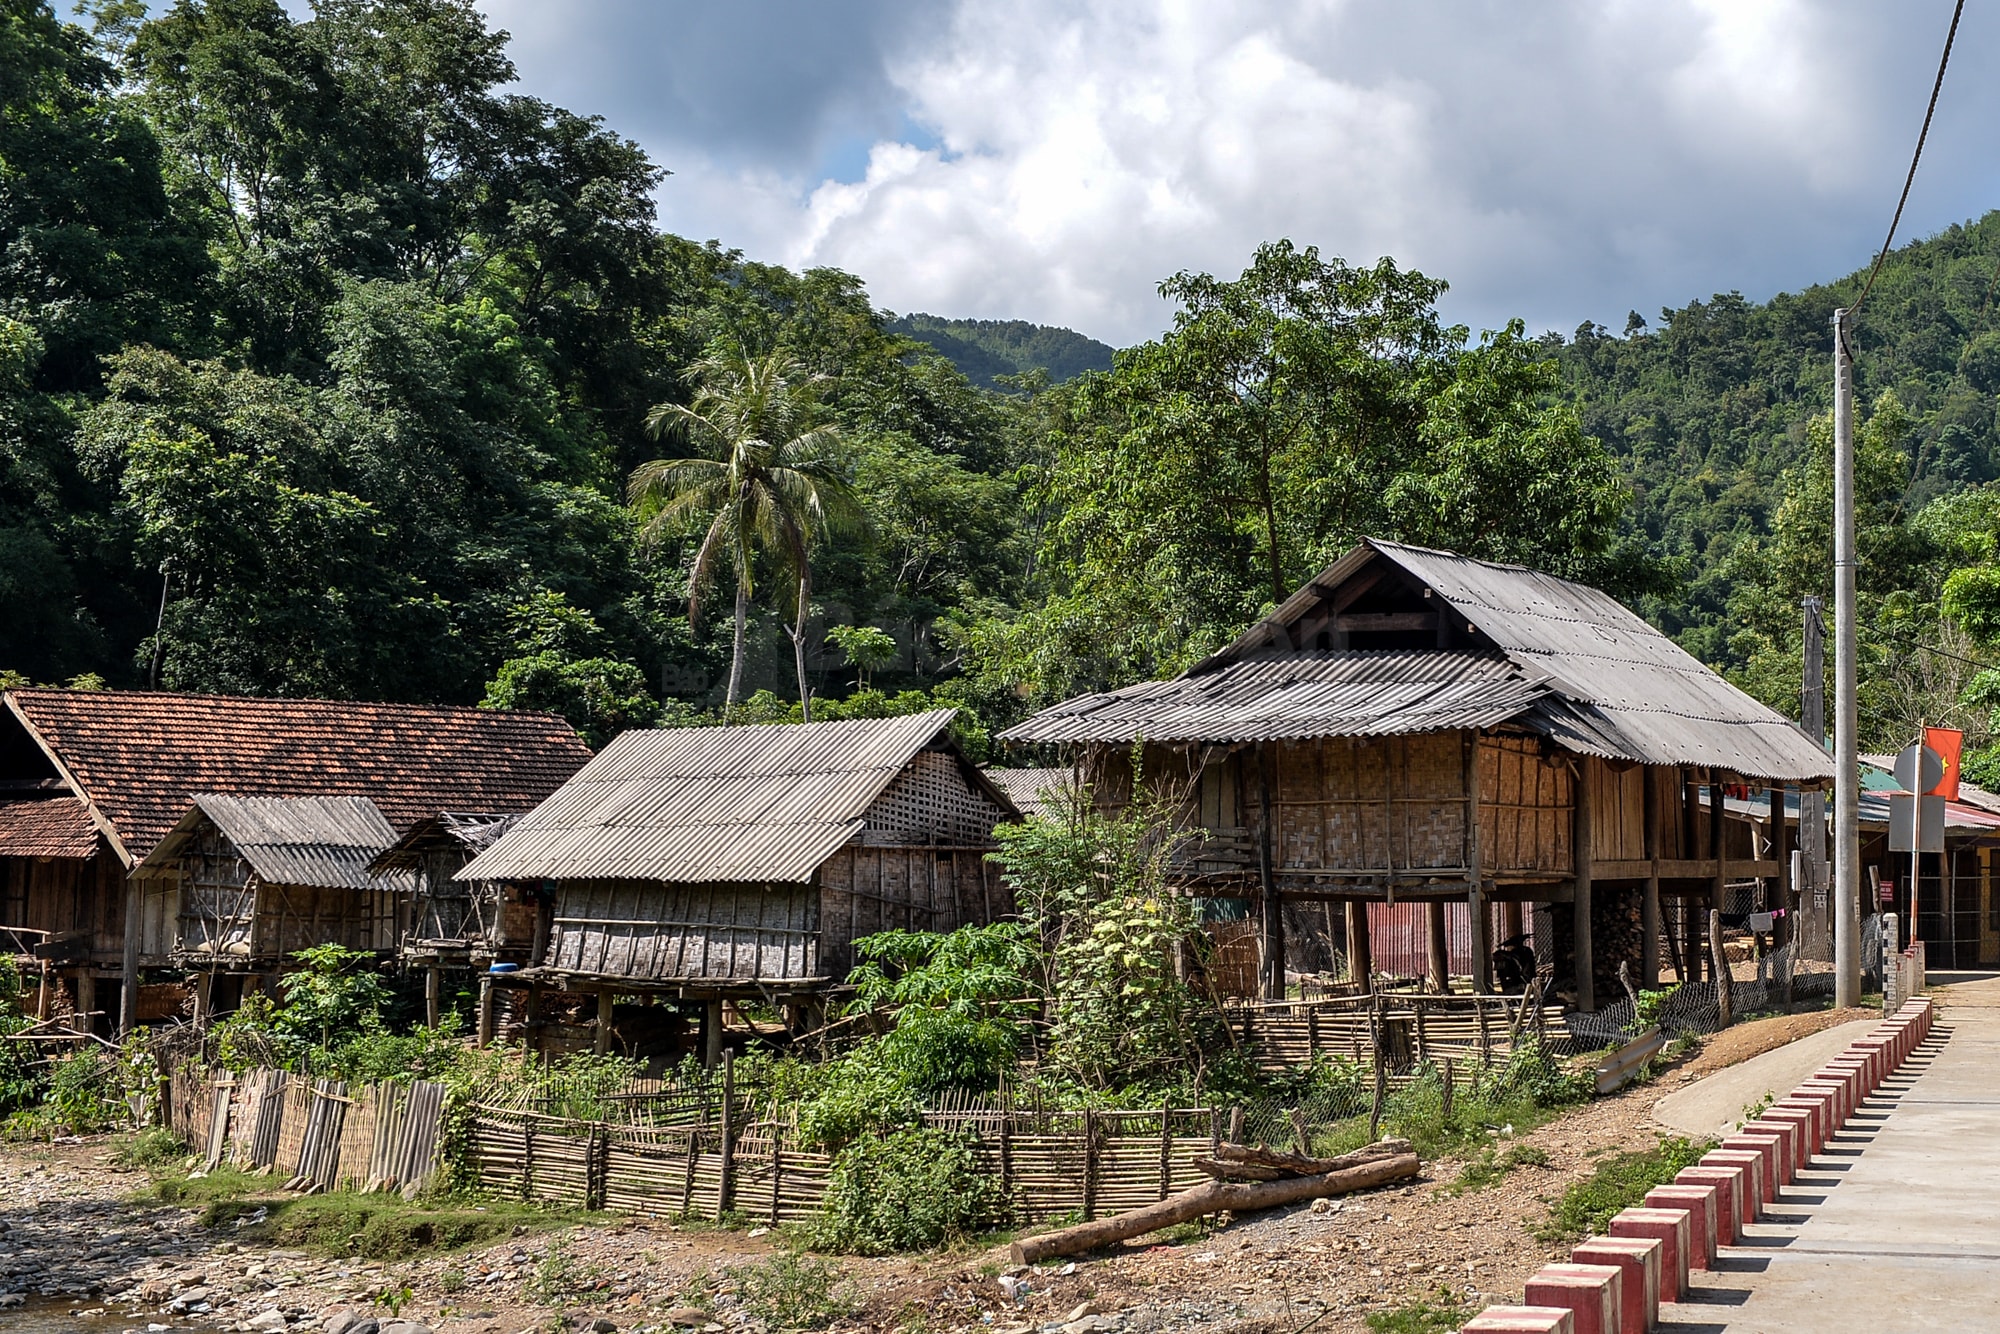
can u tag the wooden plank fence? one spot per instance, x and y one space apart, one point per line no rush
319 1133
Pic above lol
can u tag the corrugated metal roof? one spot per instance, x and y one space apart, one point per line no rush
325 842
763 802
471 831
1632 690
1326 693
1033 791
1619 688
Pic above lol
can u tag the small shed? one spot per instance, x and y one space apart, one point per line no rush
713 863
455 925
240 884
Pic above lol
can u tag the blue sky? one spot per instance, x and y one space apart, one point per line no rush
1047 160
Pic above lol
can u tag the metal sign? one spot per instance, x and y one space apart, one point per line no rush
1916 823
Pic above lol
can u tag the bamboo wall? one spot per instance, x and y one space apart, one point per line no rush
647 930
1527 804
865 889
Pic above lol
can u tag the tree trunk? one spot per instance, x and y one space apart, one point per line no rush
799 647
736 651
1208 1198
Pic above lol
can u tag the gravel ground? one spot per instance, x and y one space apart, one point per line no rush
71 1227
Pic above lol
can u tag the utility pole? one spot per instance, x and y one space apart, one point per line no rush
1846 779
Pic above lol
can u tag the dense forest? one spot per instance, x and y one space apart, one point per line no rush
329 365
986 350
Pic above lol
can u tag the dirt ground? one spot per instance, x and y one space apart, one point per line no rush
1279 1271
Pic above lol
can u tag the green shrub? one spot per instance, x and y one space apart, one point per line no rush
153 1147
910 1190
792 1292
1422 1316
1618 1183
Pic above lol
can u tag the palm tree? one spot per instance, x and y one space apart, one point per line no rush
768 479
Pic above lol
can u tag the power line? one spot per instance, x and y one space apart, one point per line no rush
1910 179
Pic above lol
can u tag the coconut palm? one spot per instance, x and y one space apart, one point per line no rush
767 480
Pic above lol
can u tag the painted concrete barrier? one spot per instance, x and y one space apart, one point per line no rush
1522 1320
1594 1294
1639 1261
1673 1229
1703 1204
1797 1123
1776 1149
1743 1199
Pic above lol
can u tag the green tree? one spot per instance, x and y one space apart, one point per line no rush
865 648
770 483
559 667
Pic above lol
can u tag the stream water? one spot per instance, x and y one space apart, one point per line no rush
51 1315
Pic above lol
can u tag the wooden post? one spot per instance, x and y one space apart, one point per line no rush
1649 909
1089 1164
45 995
1445 1106
1236 1124
1725 999
1299 1132
1167 1148
1581 848
1214 1131
433 994
484 1035
1719 886
601 1039
86 999
1475 898
128 997
777 1169
1272 906
1360 954
725 1198
1312 1033
711 1034
1784 931
1440 960
204 998
531 1022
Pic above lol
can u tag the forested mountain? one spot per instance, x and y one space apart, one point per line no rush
1719 412
986 349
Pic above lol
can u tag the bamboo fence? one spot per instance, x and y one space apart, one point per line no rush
319 1133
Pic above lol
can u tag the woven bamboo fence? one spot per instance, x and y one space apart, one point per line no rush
1405 1029
320 1134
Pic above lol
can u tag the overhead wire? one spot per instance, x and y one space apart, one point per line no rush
1910 178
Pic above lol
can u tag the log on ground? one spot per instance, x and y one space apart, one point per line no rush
1238 1162
1208 1198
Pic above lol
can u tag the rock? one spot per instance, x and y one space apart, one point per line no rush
687 1317
8 1299
403 1327
603 1326
339 1320
268 1321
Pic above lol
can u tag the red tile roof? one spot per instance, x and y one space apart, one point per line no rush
50 827
140 756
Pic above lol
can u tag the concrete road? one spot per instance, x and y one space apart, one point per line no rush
1715 1106
1896 1227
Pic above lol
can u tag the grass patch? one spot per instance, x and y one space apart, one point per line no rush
793 1292
155 1147
347 1223
1422 1316
1490 1168
1618 1183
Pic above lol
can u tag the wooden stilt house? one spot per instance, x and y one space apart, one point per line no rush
1415 725
90 781
740 863
459 926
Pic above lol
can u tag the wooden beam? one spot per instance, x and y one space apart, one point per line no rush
1649 909
1672 868
1360 955
1580 848
1475 902
1272 908
1365 622
1440 950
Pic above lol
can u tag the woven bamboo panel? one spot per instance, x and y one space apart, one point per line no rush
933 801
1368 804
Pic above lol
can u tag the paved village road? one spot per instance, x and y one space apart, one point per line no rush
1896 1226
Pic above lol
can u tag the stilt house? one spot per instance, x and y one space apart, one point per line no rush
713 863
240 884
91 781
1415 725
456 925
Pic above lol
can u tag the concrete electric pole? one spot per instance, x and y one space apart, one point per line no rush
1847 777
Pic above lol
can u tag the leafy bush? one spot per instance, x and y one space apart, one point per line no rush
1618 1183
85 1094
152 1147
18 1086
792 1292
911 1190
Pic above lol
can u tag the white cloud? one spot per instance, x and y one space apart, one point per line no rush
1556 161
